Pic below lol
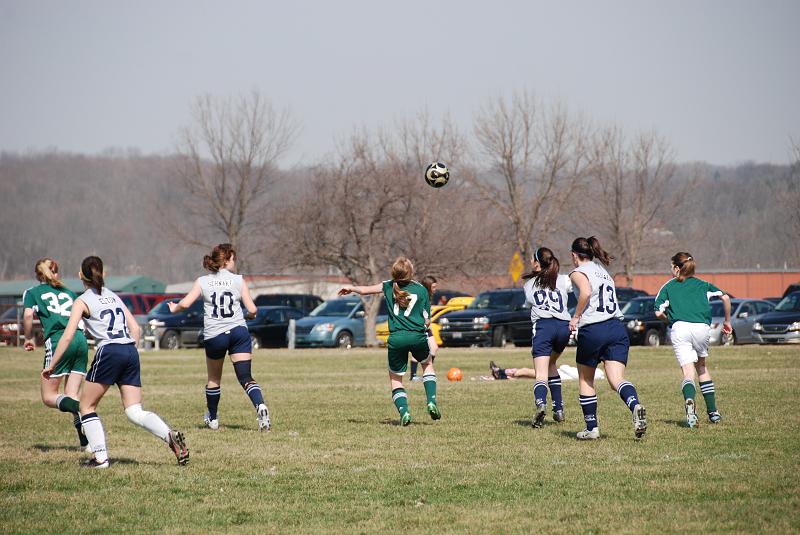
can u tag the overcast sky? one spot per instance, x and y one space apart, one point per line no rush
720 79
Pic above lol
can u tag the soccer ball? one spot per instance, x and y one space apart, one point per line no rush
454 374
437 174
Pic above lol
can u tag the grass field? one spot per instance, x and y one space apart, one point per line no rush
336 460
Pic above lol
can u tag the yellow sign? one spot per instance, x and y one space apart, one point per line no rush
516 266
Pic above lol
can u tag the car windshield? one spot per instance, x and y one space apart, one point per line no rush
336 307
716 309
790 303
638 306
492 300
10 314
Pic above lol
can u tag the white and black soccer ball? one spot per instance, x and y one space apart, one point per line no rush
437 174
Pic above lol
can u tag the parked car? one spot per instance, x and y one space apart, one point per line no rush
303 302
456 303
795 287
744 314
443 297
141 304
625 294
782 325
268 328
174 331
335 323
643 327
494 318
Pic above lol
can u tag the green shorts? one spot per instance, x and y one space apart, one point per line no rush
75 358
400 344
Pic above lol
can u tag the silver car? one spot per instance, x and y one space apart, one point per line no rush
744 313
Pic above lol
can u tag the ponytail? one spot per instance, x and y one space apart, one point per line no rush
685 264
547 276
402 272
219 257
589 249
47 272
92 273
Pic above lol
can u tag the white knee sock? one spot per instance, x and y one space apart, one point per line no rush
148 420
93 429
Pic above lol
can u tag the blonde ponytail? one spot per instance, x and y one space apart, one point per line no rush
47 272
402 273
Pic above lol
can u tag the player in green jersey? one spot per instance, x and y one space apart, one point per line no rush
52 303
409 316
683 302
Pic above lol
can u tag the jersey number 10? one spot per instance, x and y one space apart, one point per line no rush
222 307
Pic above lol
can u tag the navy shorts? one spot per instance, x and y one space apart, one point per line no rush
237 340
428 333
607 340
115 364
550 335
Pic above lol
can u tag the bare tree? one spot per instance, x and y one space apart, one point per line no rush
540 155
227 168
371 205
638 190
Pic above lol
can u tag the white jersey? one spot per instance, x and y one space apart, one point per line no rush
547 303
106 322
603 303
222 295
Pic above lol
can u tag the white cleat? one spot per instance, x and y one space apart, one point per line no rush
639 421
211 424
263 418
594 434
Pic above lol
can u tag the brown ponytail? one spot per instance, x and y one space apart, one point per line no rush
428 281
219 257
92 273
549 266
47 272
402 272
685 264
589 249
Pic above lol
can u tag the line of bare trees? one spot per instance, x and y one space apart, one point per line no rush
527 173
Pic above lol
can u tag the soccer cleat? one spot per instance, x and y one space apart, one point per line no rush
639 421
594 434
714 417
434 411
263 418
211 424
416 379
558 415
495 369
178 446
92 463
691 415
538 418
405 419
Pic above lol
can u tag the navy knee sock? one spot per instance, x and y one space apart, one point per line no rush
628 394
555 392
589 408
540 393
212 400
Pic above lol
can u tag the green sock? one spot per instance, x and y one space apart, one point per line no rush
429 381
67 404
688 389
400 400
707 388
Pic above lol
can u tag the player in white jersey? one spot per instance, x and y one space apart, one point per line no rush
225 330
546 292
601 336
116 361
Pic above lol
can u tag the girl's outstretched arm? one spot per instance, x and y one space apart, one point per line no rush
187 301
362 290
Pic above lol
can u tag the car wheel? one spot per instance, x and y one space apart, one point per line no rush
652 338
254 342
499 338
344 340
171 340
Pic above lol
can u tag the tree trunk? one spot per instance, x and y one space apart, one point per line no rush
371 306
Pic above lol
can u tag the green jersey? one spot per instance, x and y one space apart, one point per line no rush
414 317
687 300
52 305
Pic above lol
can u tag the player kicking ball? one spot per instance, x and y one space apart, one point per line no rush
409 313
